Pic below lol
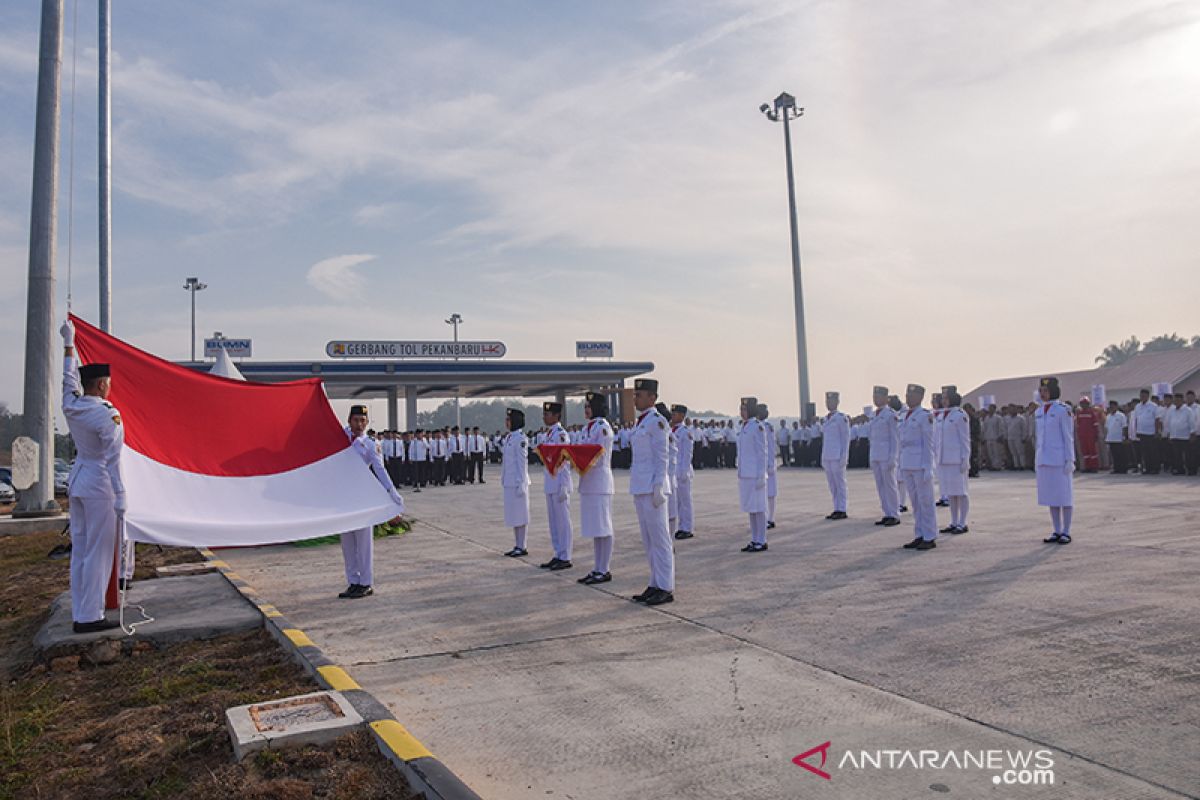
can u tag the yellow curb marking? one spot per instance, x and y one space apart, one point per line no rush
338 679
219 564
269 610
403 743
233 576
298 637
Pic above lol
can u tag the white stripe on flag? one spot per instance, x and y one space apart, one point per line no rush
173 507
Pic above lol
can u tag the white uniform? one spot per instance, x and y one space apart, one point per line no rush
752 467
96 491
916 465
684 441
772 473
835 453
884 433
596 485
672 464
953 450
558 488
649 483
1055 456
358 546
514 479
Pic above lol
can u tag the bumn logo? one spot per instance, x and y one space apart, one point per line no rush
823 749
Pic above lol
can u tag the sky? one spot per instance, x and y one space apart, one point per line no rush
984 189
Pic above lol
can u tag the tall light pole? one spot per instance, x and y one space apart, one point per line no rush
454 320
194 285
38 499
784 110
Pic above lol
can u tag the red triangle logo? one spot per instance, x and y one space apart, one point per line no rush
823 749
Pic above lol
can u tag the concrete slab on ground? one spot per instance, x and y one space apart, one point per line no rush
10 526
526 683
314 718
183 608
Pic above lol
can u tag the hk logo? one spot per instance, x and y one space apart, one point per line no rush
823 749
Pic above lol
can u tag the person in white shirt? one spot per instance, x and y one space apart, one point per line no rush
596 489
753 452
514 480
762 412
649 484
1146 425
917 466
684 436
1055 460
558 488
358 546
835 453
883 434
783 441
954 460
1116 436
96 485
1178 422
419 454
477 449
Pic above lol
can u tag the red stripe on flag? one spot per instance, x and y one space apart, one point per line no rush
210 425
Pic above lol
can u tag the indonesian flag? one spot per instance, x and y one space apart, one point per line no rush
214 462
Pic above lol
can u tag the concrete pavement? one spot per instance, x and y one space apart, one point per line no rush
526 683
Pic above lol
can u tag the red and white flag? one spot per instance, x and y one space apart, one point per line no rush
213 462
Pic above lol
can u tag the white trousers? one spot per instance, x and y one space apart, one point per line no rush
885 485
656 538
602 547
920 493
93 548
835 474
558 514
683 491
758 527
358 552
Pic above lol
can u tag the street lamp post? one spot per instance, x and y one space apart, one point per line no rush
454 320
784 110
194 285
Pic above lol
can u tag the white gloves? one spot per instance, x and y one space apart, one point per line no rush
67 331
761 483
520 490
564 494
398 500
119 504
658 496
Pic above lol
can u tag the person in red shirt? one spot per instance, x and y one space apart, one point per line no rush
1087 433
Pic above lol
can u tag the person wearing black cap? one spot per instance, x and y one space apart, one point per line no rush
835 453
596 489
1055 460
897 405
761 413
684 471
753 452
358 546
514 479
883 435
97 490
917 466
650 484
558 488
954 460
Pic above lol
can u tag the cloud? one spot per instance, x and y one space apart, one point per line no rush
337 279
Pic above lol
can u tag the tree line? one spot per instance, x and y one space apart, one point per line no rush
1123 351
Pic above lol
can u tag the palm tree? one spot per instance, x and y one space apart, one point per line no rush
1119 353
1168 341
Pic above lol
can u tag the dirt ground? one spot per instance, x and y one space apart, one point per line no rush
152 724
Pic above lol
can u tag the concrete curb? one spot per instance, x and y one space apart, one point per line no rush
424 772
